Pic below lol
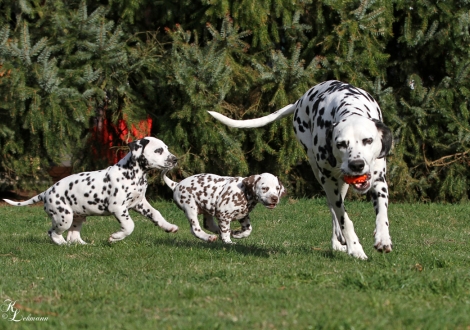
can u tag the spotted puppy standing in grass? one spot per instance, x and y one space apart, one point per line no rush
225 198
112 191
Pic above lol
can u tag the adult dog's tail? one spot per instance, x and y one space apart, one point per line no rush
170 183
257 122
30 201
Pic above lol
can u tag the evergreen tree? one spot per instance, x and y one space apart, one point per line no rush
429 70
82 70
42 116
67 66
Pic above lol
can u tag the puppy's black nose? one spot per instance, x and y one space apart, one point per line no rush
356 165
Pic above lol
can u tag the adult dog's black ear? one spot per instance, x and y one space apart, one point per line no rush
250 183
387 137
329 144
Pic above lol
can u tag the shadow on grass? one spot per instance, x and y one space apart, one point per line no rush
326 253
251 250
35 239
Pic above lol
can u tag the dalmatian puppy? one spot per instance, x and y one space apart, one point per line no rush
114 191
340 127
225 198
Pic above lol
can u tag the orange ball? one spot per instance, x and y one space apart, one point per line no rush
355 179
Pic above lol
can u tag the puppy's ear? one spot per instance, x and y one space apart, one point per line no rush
283 189
329 144
134 145
387 138
137 144
250 183
143 143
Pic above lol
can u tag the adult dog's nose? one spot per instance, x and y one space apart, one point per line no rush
356 165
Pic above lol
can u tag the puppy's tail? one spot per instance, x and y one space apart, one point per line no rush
33 200
170 183
257 122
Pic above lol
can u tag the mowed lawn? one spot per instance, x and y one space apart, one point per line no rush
284 276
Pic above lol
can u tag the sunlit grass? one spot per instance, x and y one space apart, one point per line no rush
284 276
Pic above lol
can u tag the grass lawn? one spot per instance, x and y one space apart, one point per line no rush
284 276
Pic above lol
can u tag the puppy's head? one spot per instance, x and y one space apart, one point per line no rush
354 145
265 188
152 153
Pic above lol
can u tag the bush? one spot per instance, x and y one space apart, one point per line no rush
244 59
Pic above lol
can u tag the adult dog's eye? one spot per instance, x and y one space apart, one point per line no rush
341 145
367 141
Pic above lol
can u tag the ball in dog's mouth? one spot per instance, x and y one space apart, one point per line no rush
360 182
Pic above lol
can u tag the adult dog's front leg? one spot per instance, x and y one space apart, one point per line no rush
336 203
379 192
147 210
337 239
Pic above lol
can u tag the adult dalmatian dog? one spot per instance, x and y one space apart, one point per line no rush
225 198
341 129
112 191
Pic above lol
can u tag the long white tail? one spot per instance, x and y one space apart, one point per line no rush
170 183
30 201
257 122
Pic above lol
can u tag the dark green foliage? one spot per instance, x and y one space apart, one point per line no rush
430 71
174 60
42 117
80 67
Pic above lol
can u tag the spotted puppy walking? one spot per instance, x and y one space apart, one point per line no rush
225 198
340 127
114 191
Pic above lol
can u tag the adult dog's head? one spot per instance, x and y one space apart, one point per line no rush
353 146
265 188
151 153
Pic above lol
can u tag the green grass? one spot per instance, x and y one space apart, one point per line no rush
284 276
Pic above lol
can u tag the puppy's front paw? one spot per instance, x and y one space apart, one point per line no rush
212 238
